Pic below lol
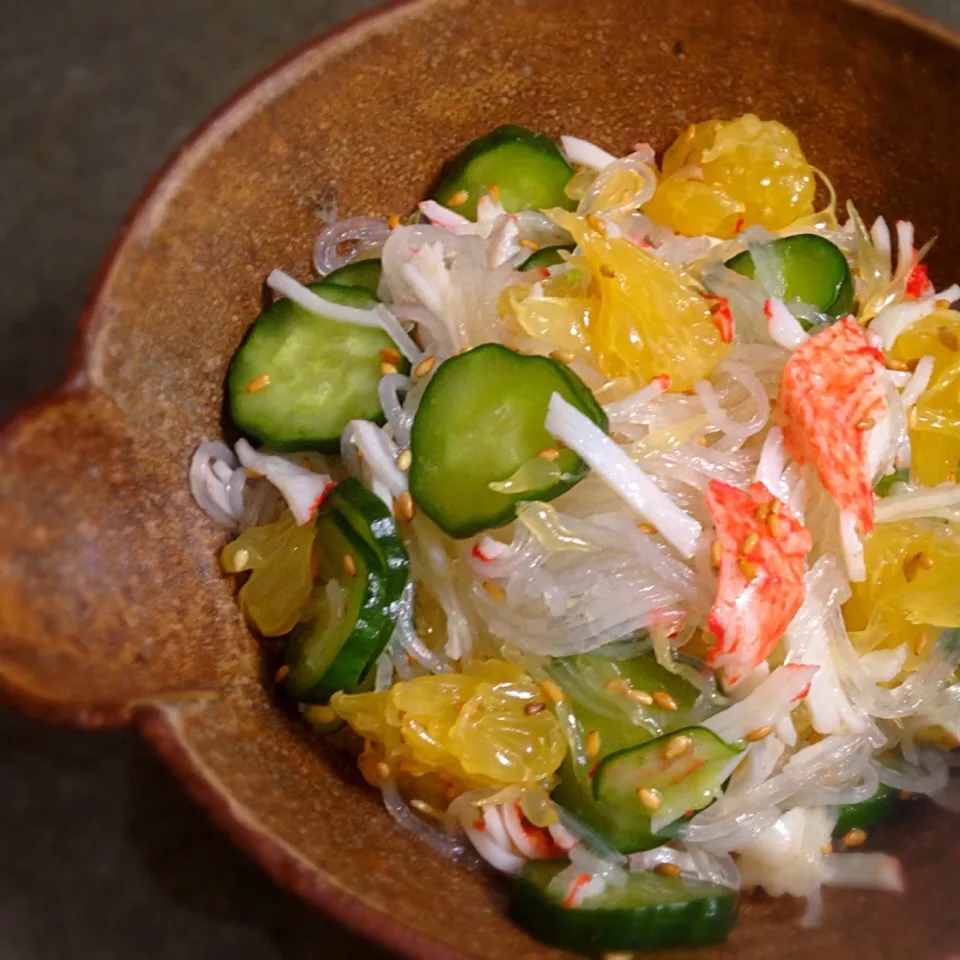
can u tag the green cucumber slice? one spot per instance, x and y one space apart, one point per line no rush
649 912
333 650
680 782
598 691
360 273
867 813
481 418
374 524
811 269
617 720
627 831
322 373
528 169
545 257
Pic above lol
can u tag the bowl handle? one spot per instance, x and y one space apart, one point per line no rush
110 590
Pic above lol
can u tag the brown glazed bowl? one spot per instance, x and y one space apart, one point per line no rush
112 607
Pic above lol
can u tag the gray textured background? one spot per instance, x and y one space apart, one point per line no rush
101 856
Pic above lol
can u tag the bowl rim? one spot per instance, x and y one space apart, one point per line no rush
160 724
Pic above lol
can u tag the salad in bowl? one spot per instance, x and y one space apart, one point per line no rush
607 511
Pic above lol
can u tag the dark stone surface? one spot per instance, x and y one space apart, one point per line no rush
102 855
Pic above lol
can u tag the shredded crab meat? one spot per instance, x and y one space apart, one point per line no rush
760 583
917 383
785 329
489 213
303 489
506 839
562 837
379 457
442 216
427 275
535 843
488 835
284 284
831 395
586 154
503 246
489 210
880 235
583 436
449 282
906 253
773 699
918 283
852 545
771 470
579 886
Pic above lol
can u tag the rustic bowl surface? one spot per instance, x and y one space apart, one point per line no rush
112 606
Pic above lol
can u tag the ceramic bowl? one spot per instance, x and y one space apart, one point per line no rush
112 607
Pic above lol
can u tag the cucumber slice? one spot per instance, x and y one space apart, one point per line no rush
357 545
361 273
322 373
679 782
811 269
627 831
867 813
642 673
374 524
545 257
617 721
481 418
599 694
649 912
527 168
333 649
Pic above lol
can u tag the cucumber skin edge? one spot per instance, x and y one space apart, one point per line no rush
601 931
